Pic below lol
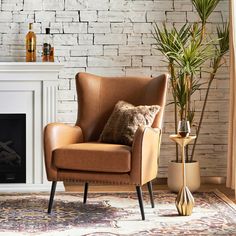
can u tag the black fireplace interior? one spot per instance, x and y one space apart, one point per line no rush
12 148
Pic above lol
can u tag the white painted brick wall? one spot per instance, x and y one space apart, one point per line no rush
109 61
41 16
56 28
111 16
87 50
176 16
121 28
110 50
141 50
6 16
155 16
183 5
89 16
86 39
21 16
71 28
99 27
142 28
12 28
67 16
33 5
115 71
12 5
65 39
110 39
135 16
75 62
135 40
53 5
75 5
136 61
113 38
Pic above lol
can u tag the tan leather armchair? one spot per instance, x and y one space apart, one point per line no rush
73 153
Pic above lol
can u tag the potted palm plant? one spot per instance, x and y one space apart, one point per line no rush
187 50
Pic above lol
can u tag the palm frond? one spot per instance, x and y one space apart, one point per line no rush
192 54
180 92
222 46
223 35
169 42
204 8
190 116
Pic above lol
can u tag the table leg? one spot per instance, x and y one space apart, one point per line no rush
184 200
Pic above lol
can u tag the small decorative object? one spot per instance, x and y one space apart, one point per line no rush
184 128
48 49
184 201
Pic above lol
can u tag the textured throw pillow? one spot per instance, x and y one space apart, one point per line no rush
125 120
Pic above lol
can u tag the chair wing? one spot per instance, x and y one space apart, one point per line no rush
97 97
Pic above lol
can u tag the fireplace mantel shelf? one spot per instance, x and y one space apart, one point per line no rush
30 66
30 88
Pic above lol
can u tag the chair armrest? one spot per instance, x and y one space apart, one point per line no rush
57 135
145 155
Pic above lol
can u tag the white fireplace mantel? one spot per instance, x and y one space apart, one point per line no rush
30 88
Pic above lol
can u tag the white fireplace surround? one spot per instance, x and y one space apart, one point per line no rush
30 88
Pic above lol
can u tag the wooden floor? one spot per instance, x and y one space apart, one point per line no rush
122 188
222 188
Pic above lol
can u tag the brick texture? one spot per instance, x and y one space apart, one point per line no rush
113 38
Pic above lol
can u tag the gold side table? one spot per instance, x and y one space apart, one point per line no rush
184 201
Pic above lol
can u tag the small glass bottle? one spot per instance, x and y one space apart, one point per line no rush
30 42
48 49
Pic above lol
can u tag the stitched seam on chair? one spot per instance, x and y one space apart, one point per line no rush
93 181
141 159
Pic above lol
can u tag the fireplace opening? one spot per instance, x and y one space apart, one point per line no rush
12 148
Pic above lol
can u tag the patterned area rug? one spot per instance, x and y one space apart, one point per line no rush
114 214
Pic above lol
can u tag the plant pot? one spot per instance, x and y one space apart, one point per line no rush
175 176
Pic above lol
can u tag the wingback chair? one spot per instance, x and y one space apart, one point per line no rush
73 153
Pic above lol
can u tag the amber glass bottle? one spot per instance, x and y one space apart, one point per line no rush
30 45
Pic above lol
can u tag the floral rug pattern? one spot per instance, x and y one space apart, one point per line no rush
114 214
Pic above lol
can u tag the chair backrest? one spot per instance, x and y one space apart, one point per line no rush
97 97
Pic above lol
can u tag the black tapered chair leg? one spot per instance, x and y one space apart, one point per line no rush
140 200
85 192
149 184
53 189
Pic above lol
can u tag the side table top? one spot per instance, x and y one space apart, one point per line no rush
182 141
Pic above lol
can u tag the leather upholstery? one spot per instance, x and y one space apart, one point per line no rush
57 135
100 157
145 155
69 153
97 97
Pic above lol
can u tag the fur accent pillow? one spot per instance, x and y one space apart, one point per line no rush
125 120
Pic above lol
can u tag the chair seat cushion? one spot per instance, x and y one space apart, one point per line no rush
98 157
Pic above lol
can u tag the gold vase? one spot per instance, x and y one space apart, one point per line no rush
184 202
